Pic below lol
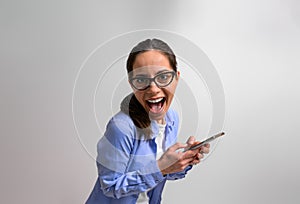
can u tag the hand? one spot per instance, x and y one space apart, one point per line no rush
201 151
172 161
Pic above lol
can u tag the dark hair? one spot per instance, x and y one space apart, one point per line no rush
130 105
151 44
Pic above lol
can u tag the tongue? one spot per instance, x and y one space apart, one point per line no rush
155 107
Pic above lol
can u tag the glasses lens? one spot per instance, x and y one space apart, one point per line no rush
164 79
140 83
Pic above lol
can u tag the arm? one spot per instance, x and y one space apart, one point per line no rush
115 158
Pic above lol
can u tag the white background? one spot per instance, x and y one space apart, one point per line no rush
254 45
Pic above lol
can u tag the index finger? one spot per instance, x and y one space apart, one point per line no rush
189 154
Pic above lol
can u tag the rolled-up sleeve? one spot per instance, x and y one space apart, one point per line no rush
179 175
115 155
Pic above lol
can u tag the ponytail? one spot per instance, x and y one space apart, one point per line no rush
132 107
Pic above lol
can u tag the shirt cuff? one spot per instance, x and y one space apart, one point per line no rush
152 174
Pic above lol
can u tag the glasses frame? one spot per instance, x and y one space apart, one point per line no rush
153 80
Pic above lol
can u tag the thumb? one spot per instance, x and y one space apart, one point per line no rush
191 140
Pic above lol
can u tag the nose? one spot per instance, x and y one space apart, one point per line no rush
153 87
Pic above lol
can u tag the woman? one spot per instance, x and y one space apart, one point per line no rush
138 151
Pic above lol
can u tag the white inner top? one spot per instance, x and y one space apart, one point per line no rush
159 140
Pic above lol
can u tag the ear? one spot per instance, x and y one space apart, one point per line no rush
178 74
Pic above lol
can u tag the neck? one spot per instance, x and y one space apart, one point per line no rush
161 121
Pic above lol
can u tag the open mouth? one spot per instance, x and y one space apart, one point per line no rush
156 105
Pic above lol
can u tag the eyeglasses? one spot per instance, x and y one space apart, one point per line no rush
161 80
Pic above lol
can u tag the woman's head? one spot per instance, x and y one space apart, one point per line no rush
153 76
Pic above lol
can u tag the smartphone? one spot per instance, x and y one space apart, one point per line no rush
200 144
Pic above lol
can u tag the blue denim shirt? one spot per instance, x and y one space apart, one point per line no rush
127 163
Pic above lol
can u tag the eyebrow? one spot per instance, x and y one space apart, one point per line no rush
159 72
164 70
141 75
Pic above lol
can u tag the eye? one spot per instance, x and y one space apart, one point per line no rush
141 80
164 77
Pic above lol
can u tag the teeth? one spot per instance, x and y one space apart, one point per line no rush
155 101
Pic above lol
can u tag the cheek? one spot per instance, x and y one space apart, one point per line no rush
139 96
170 92
170 95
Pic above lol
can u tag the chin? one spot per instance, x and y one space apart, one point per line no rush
157 116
